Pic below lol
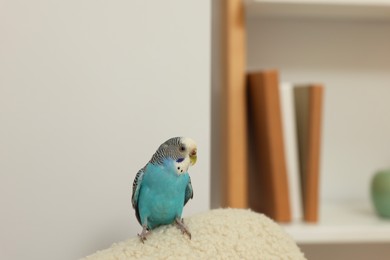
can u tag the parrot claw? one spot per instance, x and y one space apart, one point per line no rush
180 225
143 234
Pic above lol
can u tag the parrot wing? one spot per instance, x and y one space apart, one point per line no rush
136 188
189 192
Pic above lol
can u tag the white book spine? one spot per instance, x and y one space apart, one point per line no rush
291 149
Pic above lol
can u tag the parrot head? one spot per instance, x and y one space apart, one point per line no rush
181 150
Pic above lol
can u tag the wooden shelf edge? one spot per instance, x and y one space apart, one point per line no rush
233 129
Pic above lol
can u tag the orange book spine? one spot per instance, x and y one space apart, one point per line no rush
269 195
308 100
313 160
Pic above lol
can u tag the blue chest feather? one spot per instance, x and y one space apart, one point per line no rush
162 194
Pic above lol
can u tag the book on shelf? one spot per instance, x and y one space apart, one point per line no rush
287 103
269 193
308 108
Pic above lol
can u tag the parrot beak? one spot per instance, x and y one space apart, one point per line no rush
193 156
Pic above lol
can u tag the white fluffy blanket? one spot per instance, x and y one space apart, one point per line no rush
216 234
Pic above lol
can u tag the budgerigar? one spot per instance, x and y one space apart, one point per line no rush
163 186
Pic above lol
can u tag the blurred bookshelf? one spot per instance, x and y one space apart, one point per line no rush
346 219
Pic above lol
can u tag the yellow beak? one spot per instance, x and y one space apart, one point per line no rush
193 157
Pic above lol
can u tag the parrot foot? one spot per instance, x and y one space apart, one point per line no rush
143 234
180 225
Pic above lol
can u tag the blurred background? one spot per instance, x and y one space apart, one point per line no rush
90 89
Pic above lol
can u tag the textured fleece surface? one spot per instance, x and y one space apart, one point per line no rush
216 234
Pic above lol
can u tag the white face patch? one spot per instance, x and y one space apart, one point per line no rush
189 143
182 167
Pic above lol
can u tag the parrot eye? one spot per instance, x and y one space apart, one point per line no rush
182 148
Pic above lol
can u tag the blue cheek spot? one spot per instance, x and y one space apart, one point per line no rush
180 160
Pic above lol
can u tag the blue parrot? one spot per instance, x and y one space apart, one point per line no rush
163 186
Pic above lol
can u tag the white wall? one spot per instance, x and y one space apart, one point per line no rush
88 90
